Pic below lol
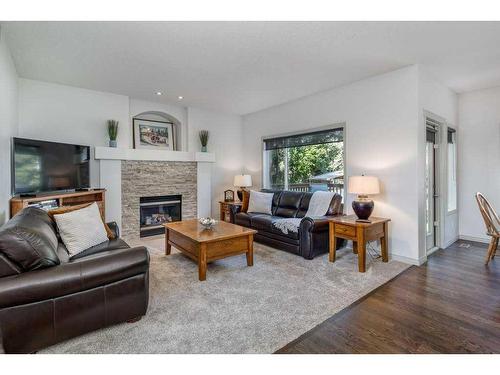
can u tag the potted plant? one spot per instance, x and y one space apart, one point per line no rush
203 140
112 132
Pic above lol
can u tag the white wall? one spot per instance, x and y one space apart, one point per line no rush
70 114
478 158
442 102
381 116
8 123
225 141
61 113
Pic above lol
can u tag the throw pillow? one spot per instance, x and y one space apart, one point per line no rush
260 202
81 229
245 200
66 209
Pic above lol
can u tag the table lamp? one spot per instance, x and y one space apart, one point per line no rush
363 186
242 181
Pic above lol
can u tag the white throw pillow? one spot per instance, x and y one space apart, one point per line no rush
260 202
81 229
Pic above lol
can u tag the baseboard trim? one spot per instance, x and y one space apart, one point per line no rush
433 250
399 258
412 261
474 239
451 242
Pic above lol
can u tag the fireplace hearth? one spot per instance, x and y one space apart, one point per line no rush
158 210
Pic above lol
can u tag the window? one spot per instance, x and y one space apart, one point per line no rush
452 170
305 162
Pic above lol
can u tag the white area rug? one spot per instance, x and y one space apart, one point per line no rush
238 309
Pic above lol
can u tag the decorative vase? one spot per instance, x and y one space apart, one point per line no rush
203 148
112 143
363 207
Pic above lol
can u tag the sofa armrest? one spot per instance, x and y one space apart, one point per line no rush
233 211
314 236
114 228
314 224
68 278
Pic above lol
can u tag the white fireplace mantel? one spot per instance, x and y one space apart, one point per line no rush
110 175
111 153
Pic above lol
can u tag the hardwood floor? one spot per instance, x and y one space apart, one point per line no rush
449 305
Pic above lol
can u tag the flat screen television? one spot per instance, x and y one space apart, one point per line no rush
41 166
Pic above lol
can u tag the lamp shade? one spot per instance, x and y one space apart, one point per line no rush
363 185
242 180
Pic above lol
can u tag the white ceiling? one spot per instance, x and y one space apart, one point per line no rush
243 67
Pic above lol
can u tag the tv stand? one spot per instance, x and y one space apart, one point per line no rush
63 199
27 195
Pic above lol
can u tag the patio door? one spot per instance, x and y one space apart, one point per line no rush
431 194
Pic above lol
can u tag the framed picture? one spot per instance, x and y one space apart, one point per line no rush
154 135
229 196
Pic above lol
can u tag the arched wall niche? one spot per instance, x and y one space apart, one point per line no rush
162 116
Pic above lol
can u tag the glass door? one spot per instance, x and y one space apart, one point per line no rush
431 196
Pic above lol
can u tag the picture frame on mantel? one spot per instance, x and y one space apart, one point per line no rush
153 135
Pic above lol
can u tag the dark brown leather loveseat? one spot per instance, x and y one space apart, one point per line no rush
47 297
312 237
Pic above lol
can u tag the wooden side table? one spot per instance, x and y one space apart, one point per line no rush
225 208
348 228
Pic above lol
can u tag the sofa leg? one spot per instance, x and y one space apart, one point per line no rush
134 320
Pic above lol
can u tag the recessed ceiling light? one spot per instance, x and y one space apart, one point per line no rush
180 97
159 93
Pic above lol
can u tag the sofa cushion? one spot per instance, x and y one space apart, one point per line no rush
304 204
289 204
244 218
105 246
29 240
290 234
262 222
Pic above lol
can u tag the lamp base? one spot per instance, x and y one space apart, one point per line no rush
239 192
363 208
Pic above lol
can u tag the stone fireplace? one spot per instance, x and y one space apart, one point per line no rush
156 179
158 210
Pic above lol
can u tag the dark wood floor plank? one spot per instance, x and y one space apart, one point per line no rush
449 305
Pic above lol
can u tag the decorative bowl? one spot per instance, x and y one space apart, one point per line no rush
207 222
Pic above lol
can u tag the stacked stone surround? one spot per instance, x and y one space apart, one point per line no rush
153 178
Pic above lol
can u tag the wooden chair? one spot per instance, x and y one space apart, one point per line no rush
492 223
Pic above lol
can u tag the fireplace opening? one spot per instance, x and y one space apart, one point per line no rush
156 211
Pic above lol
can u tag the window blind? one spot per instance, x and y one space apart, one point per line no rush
305 139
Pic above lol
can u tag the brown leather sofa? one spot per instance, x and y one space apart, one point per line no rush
312 237
47 297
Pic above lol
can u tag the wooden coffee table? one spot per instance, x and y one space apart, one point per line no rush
206 245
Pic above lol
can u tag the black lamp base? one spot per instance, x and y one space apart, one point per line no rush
363 208
239 192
